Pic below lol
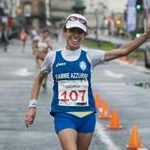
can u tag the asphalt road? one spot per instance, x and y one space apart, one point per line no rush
115 82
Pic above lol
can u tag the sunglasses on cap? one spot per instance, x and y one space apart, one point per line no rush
74 18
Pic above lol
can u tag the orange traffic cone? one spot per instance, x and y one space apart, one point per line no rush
123 58
105 111
134 141
98 101
114 121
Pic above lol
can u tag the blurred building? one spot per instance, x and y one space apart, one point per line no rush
3 11
44 12
31 12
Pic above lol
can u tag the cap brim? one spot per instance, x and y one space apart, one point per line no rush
76 24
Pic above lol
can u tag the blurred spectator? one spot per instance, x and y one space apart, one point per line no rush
23 38
44 45
35 41
34 32
4 37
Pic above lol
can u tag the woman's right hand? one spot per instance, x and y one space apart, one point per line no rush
30 116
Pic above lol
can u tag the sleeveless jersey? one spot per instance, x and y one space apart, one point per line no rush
72 85
42 45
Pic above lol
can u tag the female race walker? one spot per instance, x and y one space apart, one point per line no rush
73 102
23 39
42 47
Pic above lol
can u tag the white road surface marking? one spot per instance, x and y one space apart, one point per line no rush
139 68
22 72
103 136
112 74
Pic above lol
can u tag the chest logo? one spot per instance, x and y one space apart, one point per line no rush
60 64
83 65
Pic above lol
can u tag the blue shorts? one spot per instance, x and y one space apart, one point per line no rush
82 125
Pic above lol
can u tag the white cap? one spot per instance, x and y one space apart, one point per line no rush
36 38
76 23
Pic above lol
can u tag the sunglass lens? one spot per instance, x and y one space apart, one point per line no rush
82 21
72 18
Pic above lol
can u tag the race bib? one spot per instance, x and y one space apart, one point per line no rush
73 93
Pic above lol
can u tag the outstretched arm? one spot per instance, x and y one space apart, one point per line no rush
31 113
37 85
129 47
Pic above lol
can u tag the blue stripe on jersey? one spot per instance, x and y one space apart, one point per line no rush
64 70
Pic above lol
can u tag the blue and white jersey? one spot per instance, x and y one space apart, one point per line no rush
72 80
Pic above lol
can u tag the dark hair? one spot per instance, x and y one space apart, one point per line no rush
45 30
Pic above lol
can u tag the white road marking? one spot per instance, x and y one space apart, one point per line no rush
103 136
22 72
112 74
139 68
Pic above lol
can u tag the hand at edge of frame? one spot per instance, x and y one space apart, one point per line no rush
30 116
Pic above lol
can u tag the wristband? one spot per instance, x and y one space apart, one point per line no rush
33 103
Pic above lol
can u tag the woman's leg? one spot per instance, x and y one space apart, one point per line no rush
84 140
85 132
22 46
5 46
66 126
68 139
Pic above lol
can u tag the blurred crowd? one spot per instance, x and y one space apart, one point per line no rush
8 33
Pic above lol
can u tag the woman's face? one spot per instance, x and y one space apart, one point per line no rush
45 34
74 38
